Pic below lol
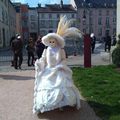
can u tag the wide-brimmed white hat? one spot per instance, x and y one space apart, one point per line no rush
55 36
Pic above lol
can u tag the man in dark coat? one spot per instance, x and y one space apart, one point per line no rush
39 47
93 41
30 50
17 46
12 38
107 42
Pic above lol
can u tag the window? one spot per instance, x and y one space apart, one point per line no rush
100 12
72 15
114 20
114 12
17 8
107 12
58 16
50 23
114 31
43 32
91 12
0 36
25 23
99 31
50 16
107 20
42 23
42 15
84 22
84 30
33 26
32 17
3 15
91 20
99 21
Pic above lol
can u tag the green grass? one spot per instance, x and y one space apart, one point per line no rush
100 86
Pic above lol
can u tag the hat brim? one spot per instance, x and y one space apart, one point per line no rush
60 40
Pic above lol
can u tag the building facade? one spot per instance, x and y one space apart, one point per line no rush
33 22
48 16
7 22
98 17
25 22
118 17
22 22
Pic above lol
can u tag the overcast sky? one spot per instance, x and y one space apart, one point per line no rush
33 3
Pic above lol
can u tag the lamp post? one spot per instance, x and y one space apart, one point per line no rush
87 41
38 23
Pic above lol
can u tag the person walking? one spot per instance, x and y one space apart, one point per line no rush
114 40
11 39
93 41
39 47
17 46
30 50
107 42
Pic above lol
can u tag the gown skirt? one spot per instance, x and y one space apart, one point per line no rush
54 88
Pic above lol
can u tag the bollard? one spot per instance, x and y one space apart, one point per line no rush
87 51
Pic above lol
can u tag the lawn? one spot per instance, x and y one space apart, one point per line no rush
100 86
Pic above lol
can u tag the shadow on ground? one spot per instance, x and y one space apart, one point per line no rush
105 111
70 113
15 77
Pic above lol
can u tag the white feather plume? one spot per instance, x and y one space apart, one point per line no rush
64 28
72 31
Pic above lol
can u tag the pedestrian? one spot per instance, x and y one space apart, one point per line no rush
93 41
12 38
17 46
114 40
107 40
54 87
30 50
39 47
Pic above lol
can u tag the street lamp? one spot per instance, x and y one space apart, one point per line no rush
39 5
86 9
38 23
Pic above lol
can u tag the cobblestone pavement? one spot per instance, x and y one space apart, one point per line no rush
16 100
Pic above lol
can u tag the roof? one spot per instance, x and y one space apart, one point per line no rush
56 8
96 3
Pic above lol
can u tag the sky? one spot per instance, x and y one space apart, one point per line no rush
34 3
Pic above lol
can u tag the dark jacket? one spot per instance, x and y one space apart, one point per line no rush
108 40
17 45
39 47
30 47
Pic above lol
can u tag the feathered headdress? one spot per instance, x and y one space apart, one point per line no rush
64 30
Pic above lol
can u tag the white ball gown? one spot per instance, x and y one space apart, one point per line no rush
54 87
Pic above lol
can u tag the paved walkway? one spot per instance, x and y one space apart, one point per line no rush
102 58
16 93
16 100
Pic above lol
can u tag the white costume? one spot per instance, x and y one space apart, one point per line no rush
54 87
